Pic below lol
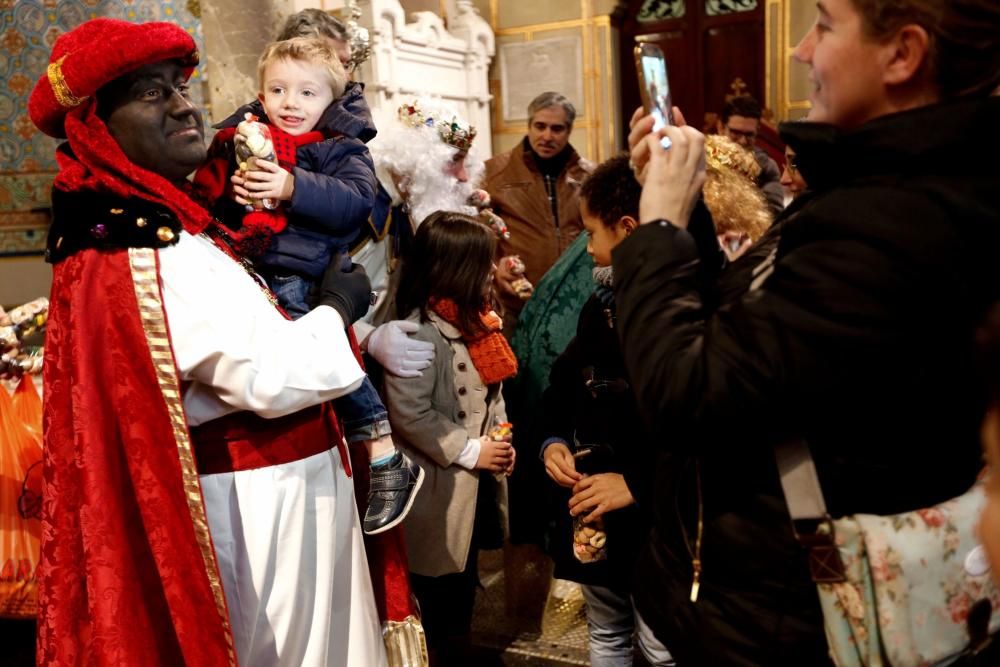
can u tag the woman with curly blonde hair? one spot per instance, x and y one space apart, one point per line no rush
738 207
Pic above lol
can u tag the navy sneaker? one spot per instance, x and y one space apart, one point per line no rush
390 496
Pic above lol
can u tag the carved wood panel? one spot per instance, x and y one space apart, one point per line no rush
713 48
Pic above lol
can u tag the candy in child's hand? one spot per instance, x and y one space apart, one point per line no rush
253 142
256 143
502 432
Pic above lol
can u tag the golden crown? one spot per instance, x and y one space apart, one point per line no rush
454 132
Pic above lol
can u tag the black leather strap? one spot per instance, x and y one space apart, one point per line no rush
393 480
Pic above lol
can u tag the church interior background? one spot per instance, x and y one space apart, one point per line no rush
488 58
465 47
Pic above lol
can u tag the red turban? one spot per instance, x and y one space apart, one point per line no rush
96 53
63 105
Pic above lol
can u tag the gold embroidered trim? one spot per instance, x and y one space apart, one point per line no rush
405 643
142 262
63 94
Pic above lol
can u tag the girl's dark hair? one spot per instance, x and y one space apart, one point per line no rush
451 258
611 192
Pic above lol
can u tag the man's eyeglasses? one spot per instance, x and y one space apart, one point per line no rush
740 134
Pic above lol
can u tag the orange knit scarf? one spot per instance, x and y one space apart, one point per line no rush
489 350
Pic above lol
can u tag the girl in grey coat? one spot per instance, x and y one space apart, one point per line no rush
446 420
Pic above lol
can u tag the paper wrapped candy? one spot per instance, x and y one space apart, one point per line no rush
253 142
589 540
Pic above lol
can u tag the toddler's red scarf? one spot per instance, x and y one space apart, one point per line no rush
211 181
489 350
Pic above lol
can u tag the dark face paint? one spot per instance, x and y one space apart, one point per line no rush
149 113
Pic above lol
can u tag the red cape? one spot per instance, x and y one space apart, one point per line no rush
128 573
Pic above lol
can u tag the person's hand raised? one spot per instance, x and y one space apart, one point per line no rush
673 177
640 126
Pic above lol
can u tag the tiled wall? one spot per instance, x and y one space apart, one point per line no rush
28 28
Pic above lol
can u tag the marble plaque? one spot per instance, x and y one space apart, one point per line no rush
530 68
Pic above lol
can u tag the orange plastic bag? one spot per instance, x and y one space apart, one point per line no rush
28 404
20 499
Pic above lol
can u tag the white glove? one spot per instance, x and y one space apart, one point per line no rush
399 353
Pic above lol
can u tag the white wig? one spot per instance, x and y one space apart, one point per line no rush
413 153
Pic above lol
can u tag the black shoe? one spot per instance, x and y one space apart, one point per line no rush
390 496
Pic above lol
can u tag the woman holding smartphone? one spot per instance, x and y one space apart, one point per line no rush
856 335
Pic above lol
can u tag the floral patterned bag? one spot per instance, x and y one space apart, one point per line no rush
906 583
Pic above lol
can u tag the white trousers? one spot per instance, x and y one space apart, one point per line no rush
292 559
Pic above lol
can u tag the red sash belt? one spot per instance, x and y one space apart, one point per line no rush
246 441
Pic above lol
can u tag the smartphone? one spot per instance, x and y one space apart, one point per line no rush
654 86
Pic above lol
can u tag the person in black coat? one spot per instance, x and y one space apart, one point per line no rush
595 446
856 334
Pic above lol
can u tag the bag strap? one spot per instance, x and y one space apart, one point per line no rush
800 481
811 523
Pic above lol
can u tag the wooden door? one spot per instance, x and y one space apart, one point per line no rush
713 48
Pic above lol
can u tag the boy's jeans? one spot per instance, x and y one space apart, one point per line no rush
362 412
612 620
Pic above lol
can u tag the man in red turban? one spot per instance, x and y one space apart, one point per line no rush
198 508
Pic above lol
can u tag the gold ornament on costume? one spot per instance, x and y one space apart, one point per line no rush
60 88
